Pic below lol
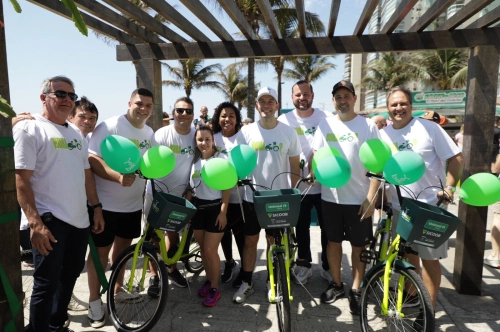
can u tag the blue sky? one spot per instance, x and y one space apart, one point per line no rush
41 44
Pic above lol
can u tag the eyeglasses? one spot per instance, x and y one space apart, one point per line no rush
188 111
62 94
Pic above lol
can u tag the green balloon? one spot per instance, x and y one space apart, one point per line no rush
324 152
219 174
157 162
120 154
333 171
481 189
244 160
374 153
405 167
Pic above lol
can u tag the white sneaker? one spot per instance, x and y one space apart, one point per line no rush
124 297
301 274
75 304
243 292
326 275
96 314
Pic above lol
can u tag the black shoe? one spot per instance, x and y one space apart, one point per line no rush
354 299
418 324
177 279
229 269
332 293
237 281
154 287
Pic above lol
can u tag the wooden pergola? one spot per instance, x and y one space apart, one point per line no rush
147 41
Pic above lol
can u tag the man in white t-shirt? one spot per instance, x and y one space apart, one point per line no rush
120 194
305 119
54 183
84 116
276 145
204 118
436 147
347 210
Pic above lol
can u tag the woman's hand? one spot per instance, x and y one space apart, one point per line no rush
221 221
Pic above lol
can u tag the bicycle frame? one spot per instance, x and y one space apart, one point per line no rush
282 245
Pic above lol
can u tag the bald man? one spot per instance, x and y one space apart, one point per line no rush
380 121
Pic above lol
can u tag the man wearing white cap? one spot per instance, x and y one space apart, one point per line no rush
276 145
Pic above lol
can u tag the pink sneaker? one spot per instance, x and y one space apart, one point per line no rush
203 291
212 297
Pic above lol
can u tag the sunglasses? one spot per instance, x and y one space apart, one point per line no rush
188 111
62 94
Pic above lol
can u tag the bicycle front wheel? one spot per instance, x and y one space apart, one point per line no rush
416 314
193 263
282 298
137 308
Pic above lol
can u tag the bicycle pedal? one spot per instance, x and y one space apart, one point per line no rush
367 256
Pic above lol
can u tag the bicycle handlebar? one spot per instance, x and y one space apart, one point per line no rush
248 182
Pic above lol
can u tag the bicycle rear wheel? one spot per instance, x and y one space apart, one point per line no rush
282 298
416 314
137 311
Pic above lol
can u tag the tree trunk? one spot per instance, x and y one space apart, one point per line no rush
279 72
9 232
251 89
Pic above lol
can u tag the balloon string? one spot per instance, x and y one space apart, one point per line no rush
241 203
373 200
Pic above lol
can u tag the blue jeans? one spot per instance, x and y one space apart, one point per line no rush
55 275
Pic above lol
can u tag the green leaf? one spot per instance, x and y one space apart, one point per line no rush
5 109
77 16
16 5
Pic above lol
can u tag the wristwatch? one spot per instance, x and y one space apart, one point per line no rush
98 205
451 188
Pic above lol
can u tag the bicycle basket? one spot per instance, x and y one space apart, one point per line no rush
169 212
425 224
277 208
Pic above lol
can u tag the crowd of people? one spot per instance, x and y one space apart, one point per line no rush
68 192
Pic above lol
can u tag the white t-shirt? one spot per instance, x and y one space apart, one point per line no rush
347 137
305 128
201 190
433 144
58 157
113 196
274 147
224 146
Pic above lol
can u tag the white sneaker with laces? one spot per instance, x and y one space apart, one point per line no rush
243 292
124 297
96 314
326 275
75 304
301 274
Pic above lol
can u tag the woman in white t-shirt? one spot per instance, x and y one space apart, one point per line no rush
210 220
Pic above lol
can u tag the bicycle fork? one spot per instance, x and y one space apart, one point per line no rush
386 280
270 259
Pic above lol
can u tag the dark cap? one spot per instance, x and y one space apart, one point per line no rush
343 84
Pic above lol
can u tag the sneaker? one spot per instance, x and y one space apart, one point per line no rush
354 299
410 301
29 264
75 304
325 274
301 274
494 263
212 297
177 279
96 314
124 297
332 293
243 292
203 291
237 281
229 269
418 324
154 287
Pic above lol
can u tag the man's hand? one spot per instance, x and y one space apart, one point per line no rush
98 221
447 194
366 210
127 180
41 238
22 116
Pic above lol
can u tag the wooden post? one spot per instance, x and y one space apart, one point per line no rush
9 232
149 77
478 141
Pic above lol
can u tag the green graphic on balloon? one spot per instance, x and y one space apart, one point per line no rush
157 162
405 167
333 171
219 174
481 189
120 154
374 153
324 152
244 160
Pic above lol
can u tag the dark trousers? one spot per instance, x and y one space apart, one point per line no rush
55 275
235 226
303 226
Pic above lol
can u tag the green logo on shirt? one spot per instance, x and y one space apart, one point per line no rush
145 145
310 131
60 143
274 147
196 174
349 137
74 144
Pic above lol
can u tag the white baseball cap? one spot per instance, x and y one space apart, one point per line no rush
267 91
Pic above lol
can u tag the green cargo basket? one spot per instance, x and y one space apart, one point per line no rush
169 212
277 208
425 224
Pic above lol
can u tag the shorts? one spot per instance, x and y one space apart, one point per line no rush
496 207
345 225
126 225
206 216
424 252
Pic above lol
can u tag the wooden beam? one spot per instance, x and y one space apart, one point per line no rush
149 77
132 11
480 108
301 17
269 18
58 8
204 15
334 13
167 11
365 17
399 14
464 14
433 12
486 20
397 42
238 18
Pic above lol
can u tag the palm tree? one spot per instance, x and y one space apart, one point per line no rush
309 68
192 75
234 85
444 69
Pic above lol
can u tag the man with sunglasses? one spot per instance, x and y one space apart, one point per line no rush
54 183
121 196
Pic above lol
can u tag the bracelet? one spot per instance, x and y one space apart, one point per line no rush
452 188
98 205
